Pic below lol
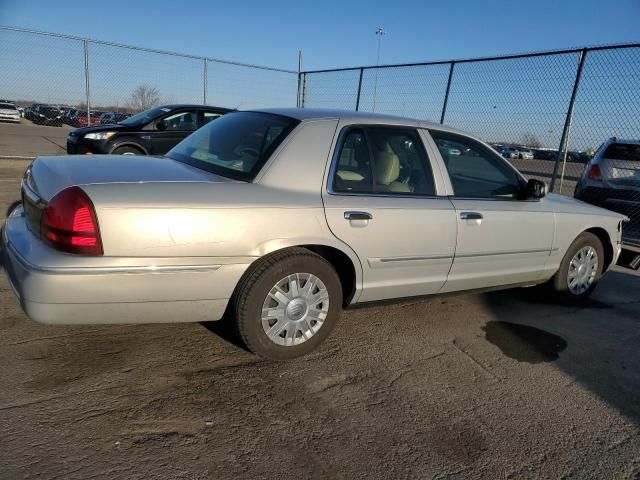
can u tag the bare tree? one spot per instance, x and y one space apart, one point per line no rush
530 140
143 98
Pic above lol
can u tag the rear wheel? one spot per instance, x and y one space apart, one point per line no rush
127 150
581 268
287 304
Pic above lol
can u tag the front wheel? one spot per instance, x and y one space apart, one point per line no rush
581 268
287 304
127 150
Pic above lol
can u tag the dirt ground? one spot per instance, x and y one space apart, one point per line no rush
500 385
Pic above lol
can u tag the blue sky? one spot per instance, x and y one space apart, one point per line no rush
336 33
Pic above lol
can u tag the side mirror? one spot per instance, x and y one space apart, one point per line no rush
160 125
535 189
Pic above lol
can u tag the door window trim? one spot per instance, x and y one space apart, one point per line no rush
453 196
337 150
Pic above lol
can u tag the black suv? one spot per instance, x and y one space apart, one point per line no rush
153 132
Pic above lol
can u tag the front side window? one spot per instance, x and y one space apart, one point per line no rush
236 145
474 170
383 160
181 121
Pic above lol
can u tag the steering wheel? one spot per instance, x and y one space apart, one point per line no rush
249 151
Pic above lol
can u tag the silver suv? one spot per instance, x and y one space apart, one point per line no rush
612 180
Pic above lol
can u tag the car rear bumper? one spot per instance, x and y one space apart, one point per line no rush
624 201
57 288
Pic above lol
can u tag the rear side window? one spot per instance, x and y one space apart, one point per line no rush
236 145
475 170
382 160
622 151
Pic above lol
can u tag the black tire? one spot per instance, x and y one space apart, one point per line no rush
127 150
559 282
256 283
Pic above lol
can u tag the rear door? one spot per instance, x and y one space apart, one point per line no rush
382 200
501 239
171 129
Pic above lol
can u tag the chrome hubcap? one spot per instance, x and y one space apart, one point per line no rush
295 309
582 270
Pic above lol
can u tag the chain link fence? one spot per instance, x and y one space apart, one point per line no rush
96 76
548 113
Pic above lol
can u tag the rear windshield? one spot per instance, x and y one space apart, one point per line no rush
236 145
623 151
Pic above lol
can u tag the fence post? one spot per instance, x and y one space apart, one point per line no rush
299 78
86 80
446 93
304 90
562 149
205 82
359 89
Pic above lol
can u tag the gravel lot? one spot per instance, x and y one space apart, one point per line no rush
500 385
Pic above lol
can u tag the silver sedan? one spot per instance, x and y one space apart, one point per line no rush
278 219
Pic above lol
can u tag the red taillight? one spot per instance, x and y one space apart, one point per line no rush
69 223
594 172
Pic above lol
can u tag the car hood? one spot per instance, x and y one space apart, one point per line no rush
98 128
49 175
563 204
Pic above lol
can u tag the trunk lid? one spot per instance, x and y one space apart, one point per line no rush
49 175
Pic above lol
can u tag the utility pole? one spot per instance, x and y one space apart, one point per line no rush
380 33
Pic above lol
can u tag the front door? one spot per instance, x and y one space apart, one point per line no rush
382 201
502 239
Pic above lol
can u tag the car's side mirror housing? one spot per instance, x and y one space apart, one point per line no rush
160 125
535 189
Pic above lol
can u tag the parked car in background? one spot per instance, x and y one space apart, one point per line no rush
545 154
29 112
524 153
69 116
510 153
111 118
81 119
9 112
46 115
153 132
286 216
611 179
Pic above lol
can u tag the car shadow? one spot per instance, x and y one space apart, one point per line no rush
594 342
225 329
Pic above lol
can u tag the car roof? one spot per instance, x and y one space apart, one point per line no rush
175 106
303 114
623 140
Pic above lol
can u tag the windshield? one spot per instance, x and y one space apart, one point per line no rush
236 145
50 111
145 117
7 106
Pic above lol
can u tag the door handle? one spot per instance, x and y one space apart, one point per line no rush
471 216
357 216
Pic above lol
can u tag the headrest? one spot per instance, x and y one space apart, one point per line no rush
387 168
